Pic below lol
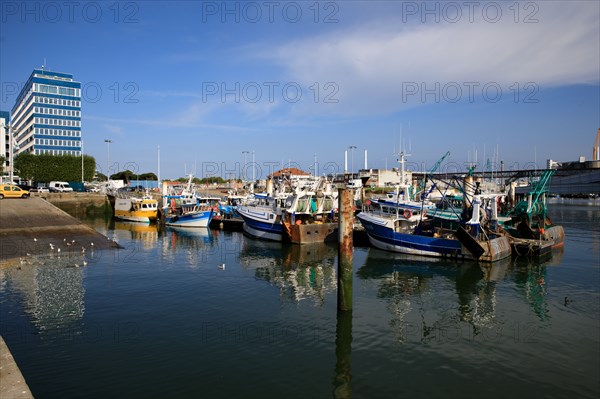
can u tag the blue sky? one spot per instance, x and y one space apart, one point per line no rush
206 81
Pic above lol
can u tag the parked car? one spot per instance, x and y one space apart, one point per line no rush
25 187
92 189
59 187
12 191
40 189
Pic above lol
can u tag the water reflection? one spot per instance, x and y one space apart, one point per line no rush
418 289
194 245
144 233
302 272
342 388
50 287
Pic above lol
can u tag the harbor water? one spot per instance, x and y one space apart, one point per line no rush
217 314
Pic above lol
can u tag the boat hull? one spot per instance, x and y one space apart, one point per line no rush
312 233
194 220
135 218
261 223
383 237
553 237
134 211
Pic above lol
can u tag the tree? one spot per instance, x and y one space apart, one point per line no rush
128 175
46 168
100 176
2 159
125 175
147 176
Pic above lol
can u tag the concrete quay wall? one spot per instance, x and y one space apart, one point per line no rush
28 227
12 383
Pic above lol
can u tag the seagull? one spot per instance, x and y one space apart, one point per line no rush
57 249
34 239
221 266
51 246
567 300
85 263
82 250
92 244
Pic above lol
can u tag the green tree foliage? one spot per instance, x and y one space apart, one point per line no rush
46 168
205 180
125 175
2 159
128 175
213 179
147 176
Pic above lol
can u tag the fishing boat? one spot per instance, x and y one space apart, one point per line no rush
398 228
129 207
532 232
403 227
301 211
262 216
227 217
311 213
184 208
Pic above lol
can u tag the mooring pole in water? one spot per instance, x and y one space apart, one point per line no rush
345 230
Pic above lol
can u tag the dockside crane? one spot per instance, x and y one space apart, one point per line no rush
432 170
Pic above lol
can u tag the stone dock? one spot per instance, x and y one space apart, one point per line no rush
12 383
29 227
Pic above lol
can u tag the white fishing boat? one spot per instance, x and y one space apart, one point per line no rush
183 208
299 210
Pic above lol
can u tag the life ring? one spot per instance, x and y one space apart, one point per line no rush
173 204
407 214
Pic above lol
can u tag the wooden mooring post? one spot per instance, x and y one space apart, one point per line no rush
345 252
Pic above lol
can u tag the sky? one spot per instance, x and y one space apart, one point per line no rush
207 87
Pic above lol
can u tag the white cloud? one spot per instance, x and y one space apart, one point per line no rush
375 63
113 128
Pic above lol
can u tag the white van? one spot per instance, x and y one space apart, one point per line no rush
59 187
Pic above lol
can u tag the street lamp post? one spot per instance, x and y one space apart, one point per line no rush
244 166
12 150
82 175
253 168
351 148
108 158
158 156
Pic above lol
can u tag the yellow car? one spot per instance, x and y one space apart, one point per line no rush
12 191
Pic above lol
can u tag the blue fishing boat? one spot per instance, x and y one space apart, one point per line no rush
262 217
183 208
400 229
404 227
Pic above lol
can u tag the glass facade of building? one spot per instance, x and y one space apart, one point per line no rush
46 118
5 141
